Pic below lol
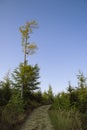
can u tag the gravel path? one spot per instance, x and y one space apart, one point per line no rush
38 120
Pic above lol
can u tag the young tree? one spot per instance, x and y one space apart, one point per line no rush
26 76
70 88
28 48
5 90
81 80
50 94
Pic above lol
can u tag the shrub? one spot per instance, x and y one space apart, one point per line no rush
13 110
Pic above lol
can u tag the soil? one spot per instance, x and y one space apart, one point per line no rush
38 120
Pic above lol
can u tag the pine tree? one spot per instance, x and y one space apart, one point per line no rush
26 76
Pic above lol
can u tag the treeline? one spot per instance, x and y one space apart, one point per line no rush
69 110
15 104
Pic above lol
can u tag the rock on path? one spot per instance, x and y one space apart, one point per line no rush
38 120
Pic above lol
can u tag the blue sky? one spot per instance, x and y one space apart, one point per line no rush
61 39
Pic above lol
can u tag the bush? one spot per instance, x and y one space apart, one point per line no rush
13 110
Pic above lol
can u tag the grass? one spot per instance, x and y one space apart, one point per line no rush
65 120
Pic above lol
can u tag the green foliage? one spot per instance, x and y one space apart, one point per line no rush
5 91
12 106
19 94
26 79
45 98
12 110
38 96
61 101
81 80
48 96
75 100
5 94
65 120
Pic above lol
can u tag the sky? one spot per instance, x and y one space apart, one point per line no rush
61 38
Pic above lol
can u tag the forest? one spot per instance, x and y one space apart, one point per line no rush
20 94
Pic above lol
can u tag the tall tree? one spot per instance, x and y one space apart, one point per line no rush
28 48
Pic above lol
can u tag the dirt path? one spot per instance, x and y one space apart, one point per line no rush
38 120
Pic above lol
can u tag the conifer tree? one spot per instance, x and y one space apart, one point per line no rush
26 76
28 48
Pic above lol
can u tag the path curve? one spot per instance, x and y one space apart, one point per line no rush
38 120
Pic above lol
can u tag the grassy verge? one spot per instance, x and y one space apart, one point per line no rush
65 120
